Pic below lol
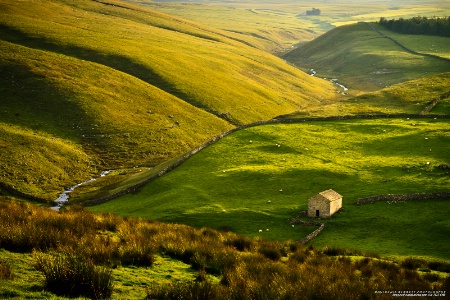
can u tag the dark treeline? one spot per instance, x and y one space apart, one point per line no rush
313 12
419 25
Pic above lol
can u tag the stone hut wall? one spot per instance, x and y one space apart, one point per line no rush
318 202
335 206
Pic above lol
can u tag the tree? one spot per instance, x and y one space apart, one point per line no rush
313 12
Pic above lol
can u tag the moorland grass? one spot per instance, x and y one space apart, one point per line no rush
223 264
248 183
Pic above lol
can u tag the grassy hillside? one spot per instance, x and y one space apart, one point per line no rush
278 25
363 60
128 86
247 183
413 97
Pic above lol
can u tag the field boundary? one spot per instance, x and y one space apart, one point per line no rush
187 155
313 234
403 46
403 197
18 193
434 103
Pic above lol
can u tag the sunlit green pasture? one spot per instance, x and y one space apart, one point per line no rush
258 178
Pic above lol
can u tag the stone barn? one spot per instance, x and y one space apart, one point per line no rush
324 204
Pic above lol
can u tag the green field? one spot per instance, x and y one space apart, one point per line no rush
247 183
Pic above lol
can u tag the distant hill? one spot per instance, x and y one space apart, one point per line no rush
122 86
363 59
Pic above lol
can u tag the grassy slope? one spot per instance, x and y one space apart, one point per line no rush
230 183
123 126
407 97
363 60
279 25
129 85
197 64
265 29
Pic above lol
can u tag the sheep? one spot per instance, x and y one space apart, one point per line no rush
260 230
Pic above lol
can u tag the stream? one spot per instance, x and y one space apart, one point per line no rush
63 198
334 80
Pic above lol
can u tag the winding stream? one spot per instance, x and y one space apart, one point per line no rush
314 72
63 198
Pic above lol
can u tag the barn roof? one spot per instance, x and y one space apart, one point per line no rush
330 195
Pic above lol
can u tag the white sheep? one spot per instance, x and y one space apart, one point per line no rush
260 230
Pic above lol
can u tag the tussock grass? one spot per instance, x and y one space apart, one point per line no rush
67 274
6 271
225 270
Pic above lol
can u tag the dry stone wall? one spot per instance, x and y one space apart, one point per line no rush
404 197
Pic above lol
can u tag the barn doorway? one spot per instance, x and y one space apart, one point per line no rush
317 213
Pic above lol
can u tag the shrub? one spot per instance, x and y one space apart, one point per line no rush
439 266
71 275
6 271
241 243
333 251
412 263
270 253
431 277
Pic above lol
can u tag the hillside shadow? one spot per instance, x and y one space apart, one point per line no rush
118 62
29 100
409 145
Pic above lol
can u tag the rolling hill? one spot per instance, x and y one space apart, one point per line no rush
363 59
125 86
